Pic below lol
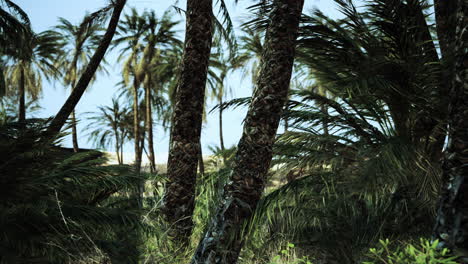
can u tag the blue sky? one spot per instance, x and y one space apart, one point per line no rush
44 15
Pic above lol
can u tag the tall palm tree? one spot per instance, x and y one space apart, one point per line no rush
451 226
223 241
131 33
187 118
87 75
159 37
80 41
35 57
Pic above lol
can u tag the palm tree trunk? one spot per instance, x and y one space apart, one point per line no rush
324 110
201 164
187 118
136 135
149 124
452 219
223 240
22 93
221 139
117 145
62 116
74 132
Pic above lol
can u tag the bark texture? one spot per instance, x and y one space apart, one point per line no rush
223 240
75 96
452 219
187 118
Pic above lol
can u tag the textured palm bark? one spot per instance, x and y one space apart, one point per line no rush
452 219
22 94
64 112
187 118
223 240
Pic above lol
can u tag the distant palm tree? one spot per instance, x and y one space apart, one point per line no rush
130 33
35 57
108 126
160 36
80 41
251 48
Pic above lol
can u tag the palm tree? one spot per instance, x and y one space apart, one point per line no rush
80 41
160 36
108 127
131 32
187 118
14 22
88 74
451 226
251 48
35 57
222 241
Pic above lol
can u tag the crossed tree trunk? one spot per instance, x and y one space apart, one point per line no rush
223 240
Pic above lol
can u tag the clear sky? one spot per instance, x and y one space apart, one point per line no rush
44 15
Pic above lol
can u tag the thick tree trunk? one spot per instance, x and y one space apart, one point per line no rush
187 118
452 219
223 240
149 125
62 116
74 132
22 95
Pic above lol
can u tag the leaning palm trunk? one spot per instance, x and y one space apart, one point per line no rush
187 118
452 219
223 240
75 96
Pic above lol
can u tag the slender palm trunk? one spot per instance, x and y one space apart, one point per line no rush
149 124
64 112
74 132
22 95
73 123
117 145
136 134
324 110
452 218
201 163
223 240
221 139
187 118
